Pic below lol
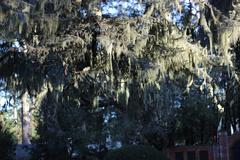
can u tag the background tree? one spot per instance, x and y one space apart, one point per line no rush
77 63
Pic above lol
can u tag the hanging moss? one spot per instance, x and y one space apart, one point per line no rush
154 48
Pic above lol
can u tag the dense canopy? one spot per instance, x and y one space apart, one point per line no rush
129 71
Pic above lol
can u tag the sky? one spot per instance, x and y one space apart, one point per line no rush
3 100
117 8
132 8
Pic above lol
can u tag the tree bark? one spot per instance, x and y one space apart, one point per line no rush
26 118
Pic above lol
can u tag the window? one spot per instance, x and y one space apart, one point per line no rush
203 155
179 156
191 155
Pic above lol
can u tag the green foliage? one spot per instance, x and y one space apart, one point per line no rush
141 66
134 152
7 146
197 120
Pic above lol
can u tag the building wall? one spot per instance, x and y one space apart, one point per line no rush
233 141
219 151
189 150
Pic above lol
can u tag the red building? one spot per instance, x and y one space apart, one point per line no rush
227 148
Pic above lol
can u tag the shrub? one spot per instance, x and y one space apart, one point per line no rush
7 146
135 152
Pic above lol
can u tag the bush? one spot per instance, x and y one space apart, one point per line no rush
50 148
135 152
7 146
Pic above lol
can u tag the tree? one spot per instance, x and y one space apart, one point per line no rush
69 58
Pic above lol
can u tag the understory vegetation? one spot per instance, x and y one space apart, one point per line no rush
7 143
98 79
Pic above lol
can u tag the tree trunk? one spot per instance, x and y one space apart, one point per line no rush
26 118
